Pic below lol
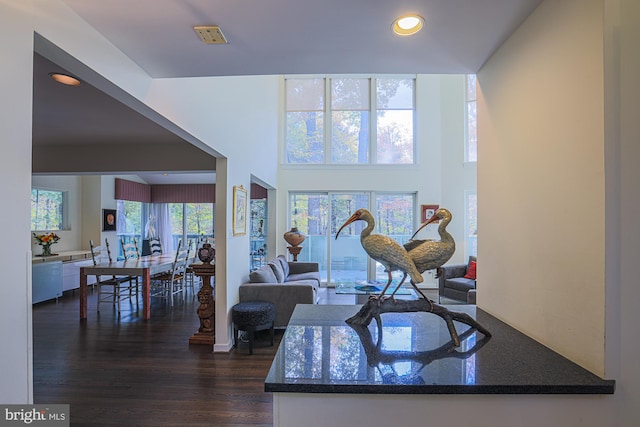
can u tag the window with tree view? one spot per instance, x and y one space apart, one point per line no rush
47 209
320 215
191 221
349 120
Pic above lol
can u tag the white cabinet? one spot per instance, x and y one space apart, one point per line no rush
46 281
71 274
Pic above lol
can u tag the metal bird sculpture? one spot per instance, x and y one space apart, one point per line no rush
432 254
384 249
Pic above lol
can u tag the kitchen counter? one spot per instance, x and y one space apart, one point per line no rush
408 374
320 353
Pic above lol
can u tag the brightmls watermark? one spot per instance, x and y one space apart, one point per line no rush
37 415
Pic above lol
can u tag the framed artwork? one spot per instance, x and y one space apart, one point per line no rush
428 211
108 220
239 211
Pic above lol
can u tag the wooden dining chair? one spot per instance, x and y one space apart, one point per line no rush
134 281
171 283
155 247
130 250
111 289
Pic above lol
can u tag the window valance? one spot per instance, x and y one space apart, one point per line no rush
132 191
166 193
183 193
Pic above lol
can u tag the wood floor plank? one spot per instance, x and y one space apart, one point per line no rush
121 370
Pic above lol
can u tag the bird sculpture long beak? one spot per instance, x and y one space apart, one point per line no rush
429 221
353 217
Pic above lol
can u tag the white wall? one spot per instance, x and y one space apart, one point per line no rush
541 180
15 182
239 117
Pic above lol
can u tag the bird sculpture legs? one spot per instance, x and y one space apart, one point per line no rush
415 287
381 297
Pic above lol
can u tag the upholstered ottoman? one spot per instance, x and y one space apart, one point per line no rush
252 316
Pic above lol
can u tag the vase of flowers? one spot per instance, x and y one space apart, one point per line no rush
46 240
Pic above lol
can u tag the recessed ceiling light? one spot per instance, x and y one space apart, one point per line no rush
408 24
65 79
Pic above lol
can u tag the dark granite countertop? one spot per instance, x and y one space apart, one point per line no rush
320 353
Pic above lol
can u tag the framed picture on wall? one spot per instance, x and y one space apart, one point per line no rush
428 211
239 210
108 220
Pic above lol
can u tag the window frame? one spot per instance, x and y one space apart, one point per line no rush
328 121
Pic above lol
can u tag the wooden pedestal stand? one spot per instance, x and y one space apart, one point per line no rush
207 309
294 250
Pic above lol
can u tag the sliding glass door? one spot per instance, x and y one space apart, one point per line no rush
320 215
348 258
309 212
394 217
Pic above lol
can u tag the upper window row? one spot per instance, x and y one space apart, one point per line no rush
350 120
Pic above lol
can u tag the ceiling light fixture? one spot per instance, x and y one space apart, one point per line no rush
408 25
65 79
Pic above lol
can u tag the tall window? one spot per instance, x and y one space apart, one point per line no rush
320 215
394 125
47 210
472 120
258 233
471 223
350 120
129 223
305 120
191 221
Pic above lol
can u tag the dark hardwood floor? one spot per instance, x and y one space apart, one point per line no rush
123 371
118 370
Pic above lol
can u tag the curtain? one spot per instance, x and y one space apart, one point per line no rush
163 224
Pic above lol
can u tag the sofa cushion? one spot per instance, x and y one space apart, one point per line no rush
471 271
312 276
276 267
284 264
461 284
263 275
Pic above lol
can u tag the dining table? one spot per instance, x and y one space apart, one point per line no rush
145 267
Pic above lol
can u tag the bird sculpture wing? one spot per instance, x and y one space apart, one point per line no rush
412 244
430 256
391 255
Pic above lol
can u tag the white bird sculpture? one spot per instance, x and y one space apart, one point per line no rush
432 254
384 249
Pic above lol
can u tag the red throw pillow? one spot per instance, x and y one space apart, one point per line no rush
471 271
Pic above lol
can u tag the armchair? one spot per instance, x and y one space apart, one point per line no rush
453 284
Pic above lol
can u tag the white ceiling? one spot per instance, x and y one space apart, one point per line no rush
265 37
304 37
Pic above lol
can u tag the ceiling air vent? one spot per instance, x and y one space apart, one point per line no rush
210 34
